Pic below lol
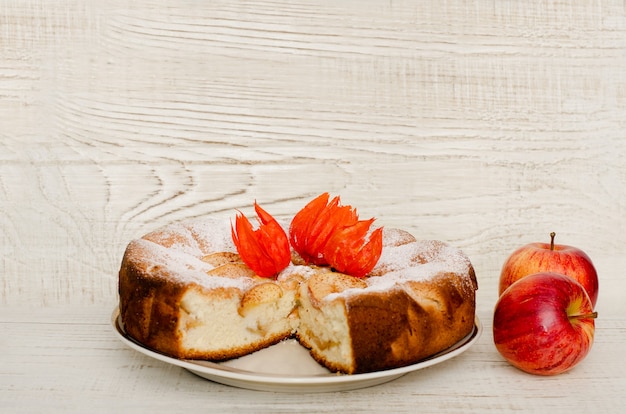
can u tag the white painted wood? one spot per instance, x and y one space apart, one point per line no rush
484 124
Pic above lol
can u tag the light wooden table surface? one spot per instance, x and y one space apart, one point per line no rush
484 124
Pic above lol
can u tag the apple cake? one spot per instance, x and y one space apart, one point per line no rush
185 292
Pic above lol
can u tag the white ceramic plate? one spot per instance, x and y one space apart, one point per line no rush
288 367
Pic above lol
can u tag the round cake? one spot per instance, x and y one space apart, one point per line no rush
184 291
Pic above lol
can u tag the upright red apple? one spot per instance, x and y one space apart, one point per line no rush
549 257
544 323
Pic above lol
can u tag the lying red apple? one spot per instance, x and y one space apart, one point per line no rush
544 323
550 257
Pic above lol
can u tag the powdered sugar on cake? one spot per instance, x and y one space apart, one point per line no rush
176 251
412 261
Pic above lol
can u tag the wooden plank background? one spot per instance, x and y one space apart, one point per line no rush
484 124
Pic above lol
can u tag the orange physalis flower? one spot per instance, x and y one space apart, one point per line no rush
327 233
350 251
265 250
312 226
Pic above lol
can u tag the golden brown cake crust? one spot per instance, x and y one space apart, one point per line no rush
392 329
395 317
149 319
150 302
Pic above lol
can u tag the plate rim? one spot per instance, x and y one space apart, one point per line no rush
244 376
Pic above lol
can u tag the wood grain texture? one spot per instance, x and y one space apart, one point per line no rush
484 124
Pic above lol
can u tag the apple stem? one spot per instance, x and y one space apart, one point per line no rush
552 240
592 315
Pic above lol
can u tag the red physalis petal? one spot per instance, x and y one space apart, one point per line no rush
265 250
273 238
350 251
302 226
